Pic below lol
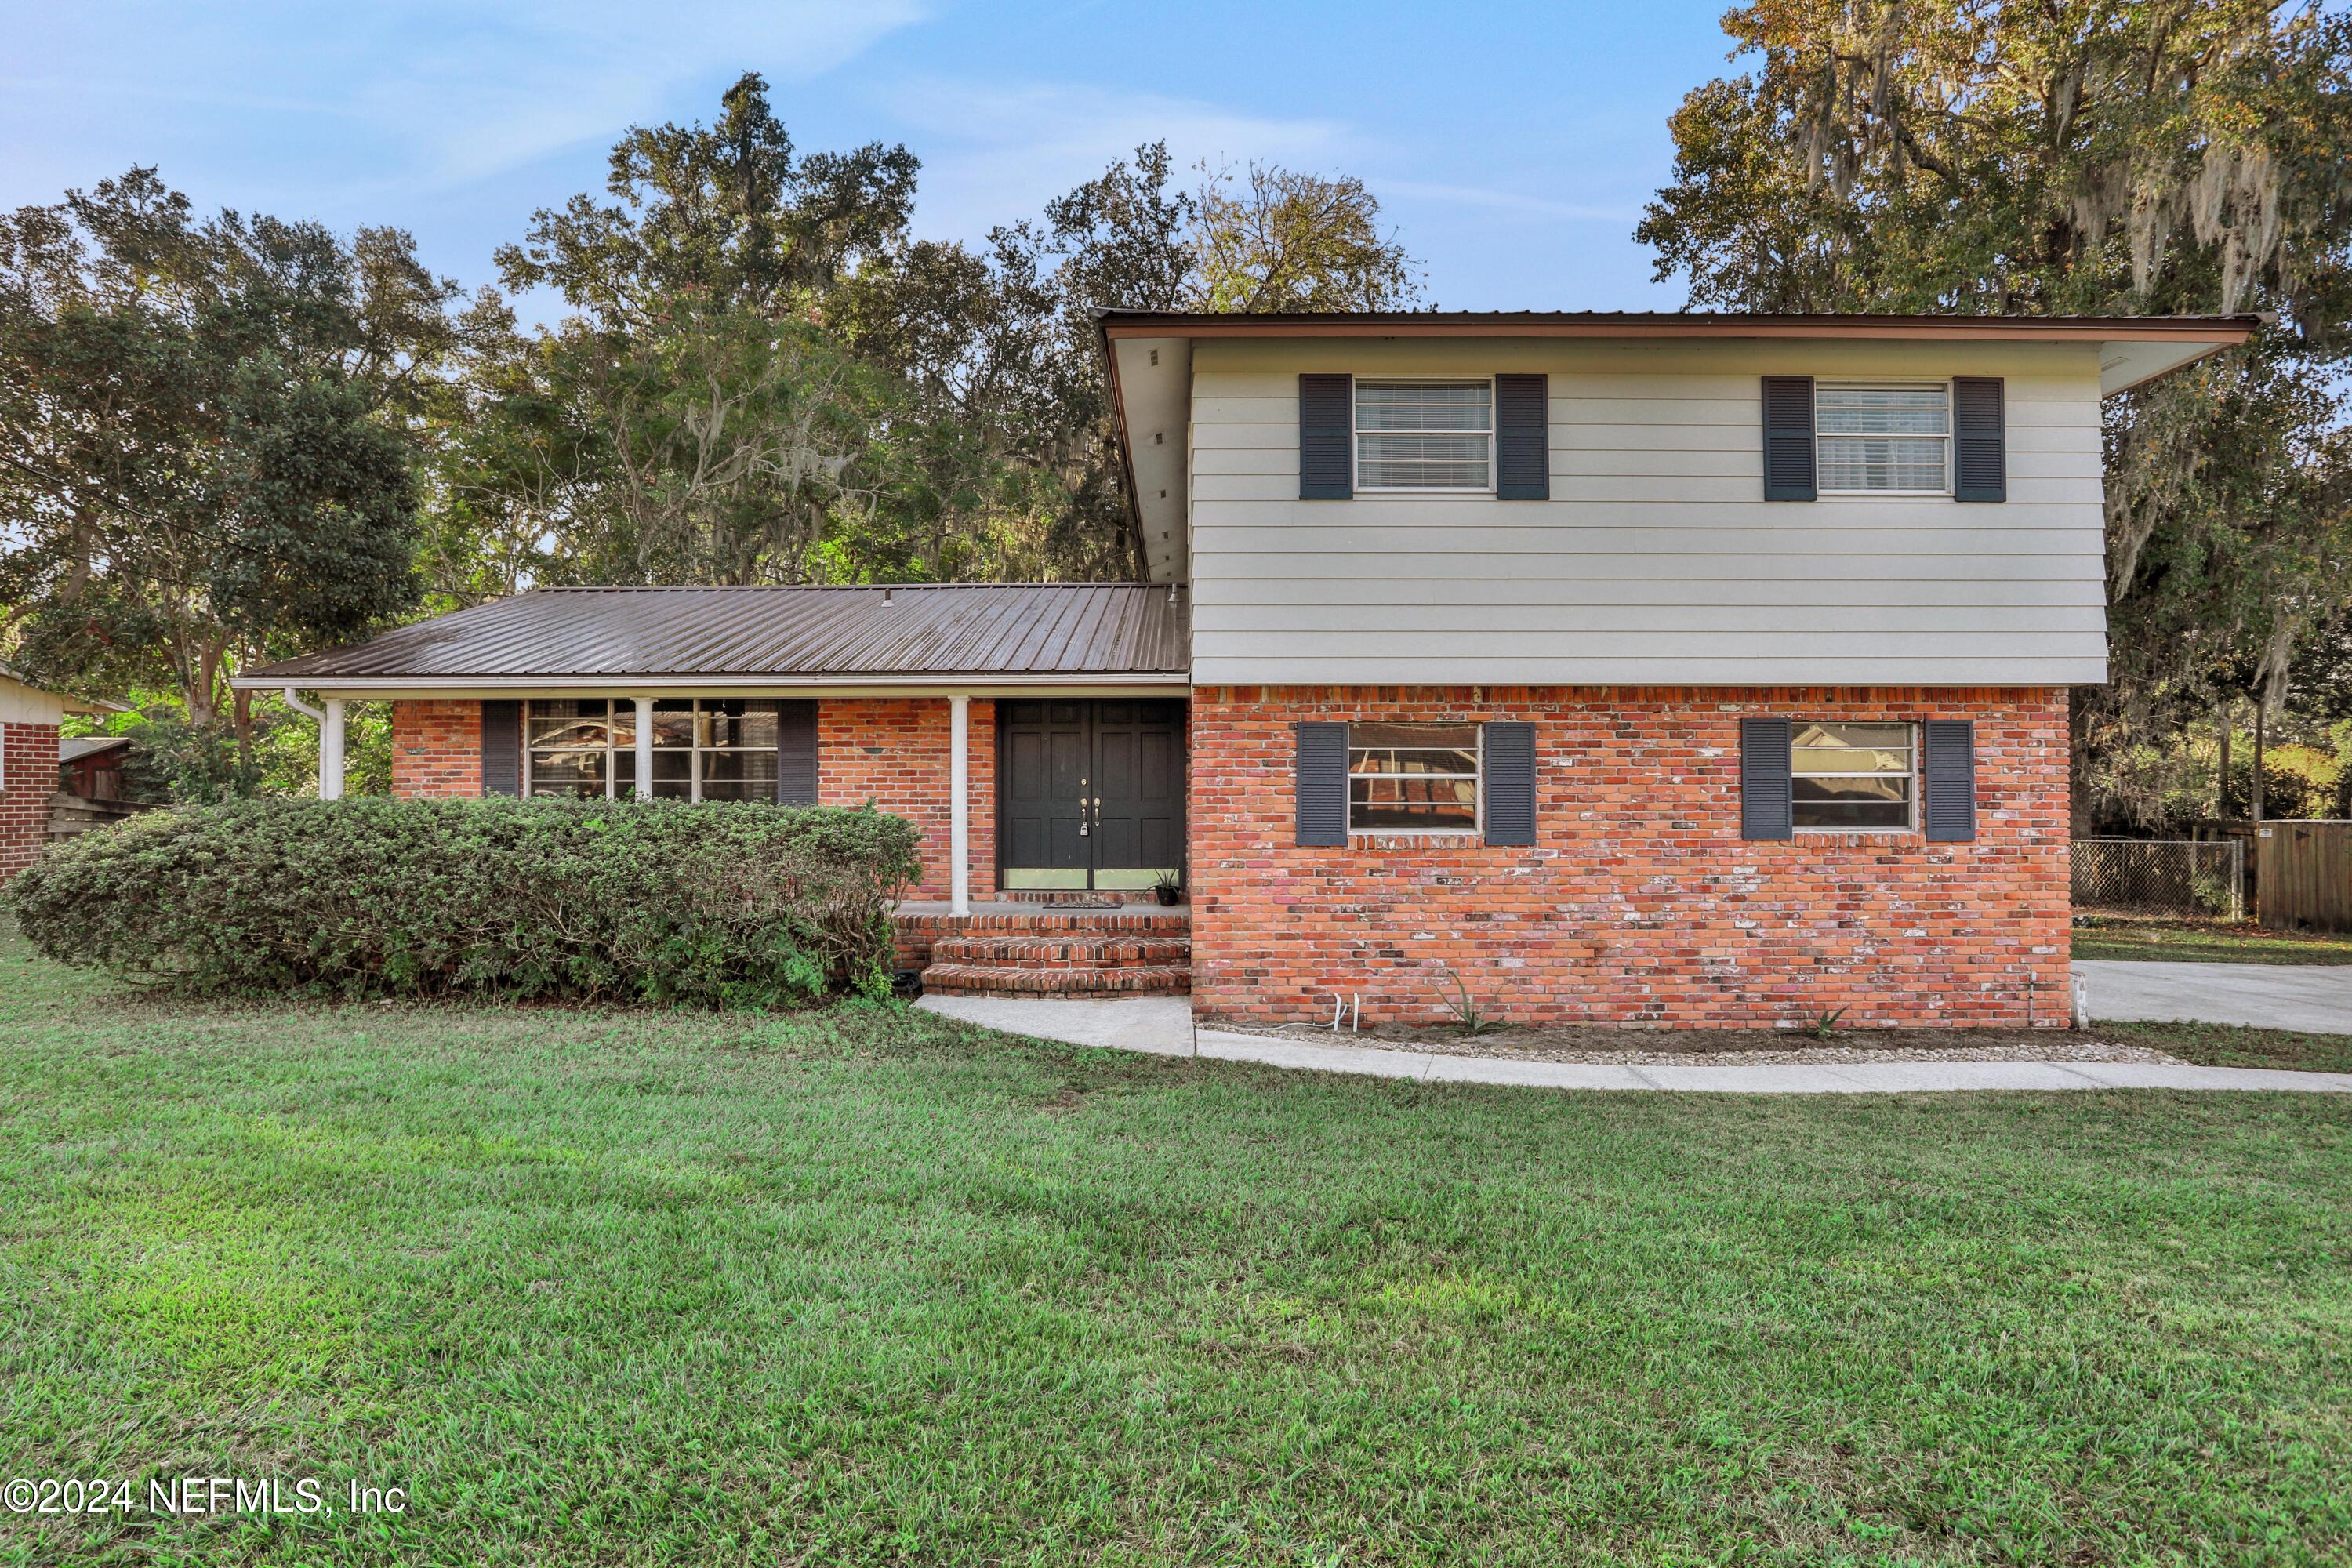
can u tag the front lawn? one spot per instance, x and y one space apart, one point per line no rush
2236 1046
859 1287
2192 941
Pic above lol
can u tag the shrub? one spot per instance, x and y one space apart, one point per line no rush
733 904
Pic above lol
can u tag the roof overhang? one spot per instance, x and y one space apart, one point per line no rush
1151 397
88 705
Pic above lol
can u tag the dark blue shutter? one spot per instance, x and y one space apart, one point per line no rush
1511 784
796 751
1327 421
1522 438
1764 779
1979 442
502 748
1788 438
1948 761
1323 785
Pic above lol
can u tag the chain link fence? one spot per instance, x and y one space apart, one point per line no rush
2204 881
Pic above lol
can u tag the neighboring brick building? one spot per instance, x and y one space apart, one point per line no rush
1643 670
30 718
28 777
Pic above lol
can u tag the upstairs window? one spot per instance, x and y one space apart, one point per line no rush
1851 776
1425 435
1412 778
1884 440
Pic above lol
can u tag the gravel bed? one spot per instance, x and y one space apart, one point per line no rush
1732 1047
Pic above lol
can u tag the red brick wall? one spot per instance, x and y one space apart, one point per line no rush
893 750
437 748
1640 904
31 759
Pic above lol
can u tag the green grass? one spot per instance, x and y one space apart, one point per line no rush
862 1288
2185 941
2236 1046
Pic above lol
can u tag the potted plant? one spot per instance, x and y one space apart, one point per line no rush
1169 887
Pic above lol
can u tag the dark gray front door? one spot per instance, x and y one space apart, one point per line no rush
1091 793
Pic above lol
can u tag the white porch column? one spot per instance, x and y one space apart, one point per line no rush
644 748
330 751
960 805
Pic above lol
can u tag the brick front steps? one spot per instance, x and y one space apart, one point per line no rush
1050 953
987 980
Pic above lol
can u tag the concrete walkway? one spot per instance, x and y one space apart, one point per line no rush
1163 1026
2313 996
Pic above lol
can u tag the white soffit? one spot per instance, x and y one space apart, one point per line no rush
2125 364
1155 394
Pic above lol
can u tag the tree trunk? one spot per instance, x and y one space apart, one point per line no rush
2261 711
2221 718
199 690
241 715
2078 782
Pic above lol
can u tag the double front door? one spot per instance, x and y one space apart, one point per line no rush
1090 791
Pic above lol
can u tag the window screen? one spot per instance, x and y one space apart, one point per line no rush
1852 775
1884 439
1424 435
1412 778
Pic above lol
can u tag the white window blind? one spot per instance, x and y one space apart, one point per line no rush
1889 439
1424 435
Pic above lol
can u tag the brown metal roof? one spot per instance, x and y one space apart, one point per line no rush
944 629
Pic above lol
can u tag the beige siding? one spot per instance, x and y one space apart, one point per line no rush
1658 560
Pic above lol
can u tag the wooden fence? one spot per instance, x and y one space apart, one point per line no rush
2299 873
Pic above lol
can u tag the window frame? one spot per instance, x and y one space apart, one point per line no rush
1356 434
605 750
694 750
1822 489
1912 804
1477 828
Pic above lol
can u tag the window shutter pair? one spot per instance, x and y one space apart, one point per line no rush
1327 437
1980 440
1947 785
795 749
1510 784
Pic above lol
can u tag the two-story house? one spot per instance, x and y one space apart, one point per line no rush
1643 668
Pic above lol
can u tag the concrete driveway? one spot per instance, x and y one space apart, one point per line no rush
2312 996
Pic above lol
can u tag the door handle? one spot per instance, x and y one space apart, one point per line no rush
1082 808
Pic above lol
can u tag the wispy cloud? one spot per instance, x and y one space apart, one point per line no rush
413 96
582 84
997 151
1503 201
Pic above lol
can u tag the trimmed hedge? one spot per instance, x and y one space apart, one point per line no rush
724 904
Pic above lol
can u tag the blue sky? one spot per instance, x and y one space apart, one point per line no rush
1512 146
